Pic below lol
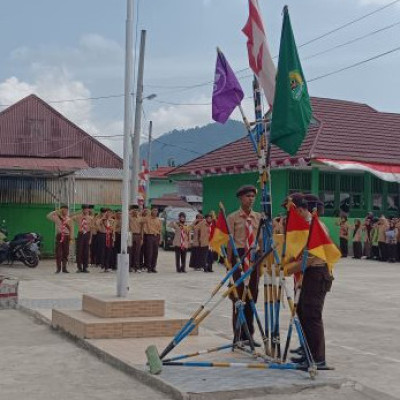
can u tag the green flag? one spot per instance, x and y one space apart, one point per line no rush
291 113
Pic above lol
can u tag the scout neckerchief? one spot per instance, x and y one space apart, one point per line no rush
249 242
108 233
84 225
182 235
64 227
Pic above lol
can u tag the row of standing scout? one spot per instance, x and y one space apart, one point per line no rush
98 239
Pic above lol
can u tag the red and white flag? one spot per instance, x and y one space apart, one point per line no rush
260 59
143 183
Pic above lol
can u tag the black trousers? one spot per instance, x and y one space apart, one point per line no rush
382 251
180 259
344 247
62 252
253 286
105 253
316 283
151 243
209 260
135 251
82 250
194 257
202 257
375 252
357 249
116 250
391 251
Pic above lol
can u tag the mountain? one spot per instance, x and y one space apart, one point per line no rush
180 146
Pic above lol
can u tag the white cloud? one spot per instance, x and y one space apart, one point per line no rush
94 55
169 117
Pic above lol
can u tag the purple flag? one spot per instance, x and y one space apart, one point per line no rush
227 93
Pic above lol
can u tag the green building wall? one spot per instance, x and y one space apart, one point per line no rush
223 188
20 218
159 187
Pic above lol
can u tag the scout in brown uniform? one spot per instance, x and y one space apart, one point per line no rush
205 254
144 214
382 227
117 239
84 222
136 229
243 225
194 249
152 234
94 242
105 227
64 231
317 281
181 241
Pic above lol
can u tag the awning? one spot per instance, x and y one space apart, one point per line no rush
386 172
37 165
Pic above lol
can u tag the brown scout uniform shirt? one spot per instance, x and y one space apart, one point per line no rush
79 218
57 219
204 234
152 226
136 224
177 238
102 223
237 225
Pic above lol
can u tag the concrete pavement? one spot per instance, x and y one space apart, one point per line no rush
38 364
361 314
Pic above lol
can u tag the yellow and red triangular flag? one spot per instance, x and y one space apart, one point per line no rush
220 236
297 229
320 244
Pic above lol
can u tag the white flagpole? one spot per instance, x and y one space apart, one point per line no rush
123 257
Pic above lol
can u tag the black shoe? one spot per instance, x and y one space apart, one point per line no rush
149 271
298 351
58 271
183 271
65 271
304 365
210 270
78 271
154 271
298 360
85 271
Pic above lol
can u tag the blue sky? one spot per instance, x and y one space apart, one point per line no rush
72 49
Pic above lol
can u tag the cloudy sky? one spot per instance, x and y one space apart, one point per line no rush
66 50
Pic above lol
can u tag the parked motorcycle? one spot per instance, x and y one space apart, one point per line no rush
25 247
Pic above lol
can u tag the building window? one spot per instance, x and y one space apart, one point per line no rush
393 198
299 181
351 192
377 194
327 188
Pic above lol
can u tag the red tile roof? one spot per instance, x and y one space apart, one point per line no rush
343 130
161 172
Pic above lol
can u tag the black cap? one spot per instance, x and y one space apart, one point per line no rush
103 209
63 206
313 201
91 206
85 206
246 189
298 199
134 207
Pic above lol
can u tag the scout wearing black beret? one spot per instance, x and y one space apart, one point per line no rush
245 190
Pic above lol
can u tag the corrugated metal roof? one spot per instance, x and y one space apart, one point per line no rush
100 173
41 164
344 131
32 128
